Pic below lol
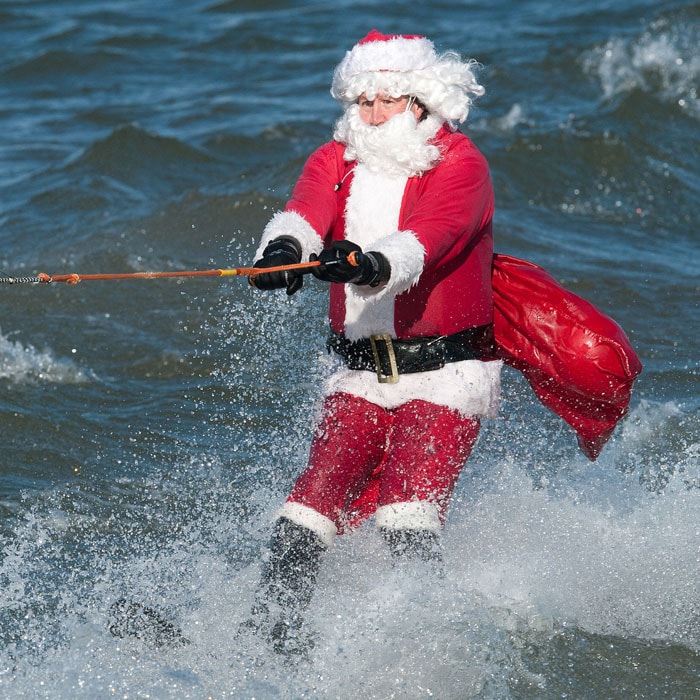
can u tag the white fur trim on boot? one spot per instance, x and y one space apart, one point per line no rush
313 520
409 515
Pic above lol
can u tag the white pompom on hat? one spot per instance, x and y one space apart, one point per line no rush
407 65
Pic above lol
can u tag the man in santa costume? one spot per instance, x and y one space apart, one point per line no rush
398 210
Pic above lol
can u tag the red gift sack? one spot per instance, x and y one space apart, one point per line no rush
577 360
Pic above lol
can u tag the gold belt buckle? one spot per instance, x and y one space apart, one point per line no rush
381 377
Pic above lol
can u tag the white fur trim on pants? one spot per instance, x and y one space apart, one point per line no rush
410 515
471 387
311 519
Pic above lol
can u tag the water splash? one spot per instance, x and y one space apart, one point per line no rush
25 363
591 555
662 61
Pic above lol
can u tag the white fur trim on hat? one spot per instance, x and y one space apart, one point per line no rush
402 65
289 223
390 52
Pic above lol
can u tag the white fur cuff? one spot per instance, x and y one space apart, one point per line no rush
410 515
289 223
311 519
406 256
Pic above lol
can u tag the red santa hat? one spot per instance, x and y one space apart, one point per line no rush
403 64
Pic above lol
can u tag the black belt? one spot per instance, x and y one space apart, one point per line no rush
390 357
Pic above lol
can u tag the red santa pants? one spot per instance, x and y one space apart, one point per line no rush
364 457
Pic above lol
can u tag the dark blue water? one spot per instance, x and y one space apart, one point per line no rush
149 429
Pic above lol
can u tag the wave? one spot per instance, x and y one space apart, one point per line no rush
662 62
145 161
24 363
52 65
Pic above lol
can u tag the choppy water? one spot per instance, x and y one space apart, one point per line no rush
149 429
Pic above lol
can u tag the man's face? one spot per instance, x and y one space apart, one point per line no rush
383 107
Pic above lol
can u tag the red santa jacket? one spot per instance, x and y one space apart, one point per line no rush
579 361
447 209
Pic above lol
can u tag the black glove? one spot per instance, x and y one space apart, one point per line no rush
344 261
280 251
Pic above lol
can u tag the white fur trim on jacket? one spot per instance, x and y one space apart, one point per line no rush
406 256
311 519
371 221
370 310
409 515
289 223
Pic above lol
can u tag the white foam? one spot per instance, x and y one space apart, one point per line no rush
663 61
594 550
24 363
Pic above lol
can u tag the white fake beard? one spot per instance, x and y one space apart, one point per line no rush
398 148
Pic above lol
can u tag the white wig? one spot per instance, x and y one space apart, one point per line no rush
400 65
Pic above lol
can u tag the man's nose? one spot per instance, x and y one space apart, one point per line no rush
377 115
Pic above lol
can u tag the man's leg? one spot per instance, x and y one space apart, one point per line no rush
347 446
286 583
429 447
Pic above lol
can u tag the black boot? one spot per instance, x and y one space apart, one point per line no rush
414 544
286 586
